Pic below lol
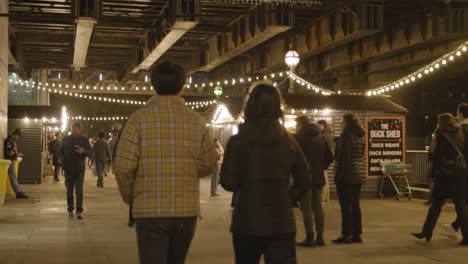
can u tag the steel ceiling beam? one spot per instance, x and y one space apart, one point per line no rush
177 31
84 30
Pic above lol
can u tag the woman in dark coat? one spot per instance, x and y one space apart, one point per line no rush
349 177
258 165
449 173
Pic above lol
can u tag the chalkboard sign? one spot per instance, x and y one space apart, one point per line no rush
385 141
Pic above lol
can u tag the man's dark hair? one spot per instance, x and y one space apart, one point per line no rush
101 134
463 109
168 78
77 125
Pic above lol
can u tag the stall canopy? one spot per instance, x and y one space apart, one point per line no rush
344 103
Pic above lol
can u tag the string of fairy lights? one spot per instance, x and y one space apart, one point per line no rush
52 88
101 118
271 76
438 64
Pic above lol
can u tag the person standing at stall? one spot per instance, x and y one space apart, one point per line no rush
72 153
319 158
349 177
462 113
449 173
102 157
163 151
258 164
53 150
215 175
328 135
10 152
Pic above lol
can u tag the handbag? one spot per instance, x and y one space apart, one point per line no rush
459 163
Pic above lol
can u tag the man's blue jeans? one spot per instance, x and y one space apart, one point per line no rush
74 182
13 178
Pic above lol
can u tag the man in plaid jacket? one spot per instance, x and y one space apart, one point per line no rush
163 150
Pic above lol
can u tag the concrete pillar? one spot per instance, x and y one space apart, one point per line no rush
3 72
42 97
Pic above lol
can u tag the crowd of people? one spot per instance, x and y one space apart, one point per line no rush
165 148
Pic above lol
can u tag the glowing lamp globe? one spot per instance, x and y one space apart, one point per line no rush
292 58
218 91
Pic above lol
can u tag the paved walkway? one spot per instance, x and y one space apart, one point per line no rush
39 231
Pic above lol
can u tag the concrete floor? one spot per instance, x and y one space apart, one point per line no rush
39 231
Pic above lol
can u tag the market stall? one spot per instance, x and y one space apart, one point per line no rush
36 123
383 120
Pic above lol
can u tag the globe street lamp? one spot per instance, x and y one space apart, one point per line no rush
292 60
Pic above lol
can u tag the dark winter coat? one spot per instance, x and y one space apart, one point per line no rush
316 152
349 156
102 152
258 164
72 162
451 186
465 133
53 150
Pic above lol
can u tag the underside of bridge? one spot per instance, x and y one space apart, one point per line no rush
345 46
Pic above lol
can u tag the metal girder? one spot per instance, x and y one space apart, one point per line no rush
177 31
84 30
246 34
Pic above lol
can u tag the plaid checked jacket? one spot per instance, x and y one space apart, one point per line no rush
163 150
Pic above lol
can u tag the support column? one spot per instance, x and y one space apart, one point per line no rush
43 97
3 72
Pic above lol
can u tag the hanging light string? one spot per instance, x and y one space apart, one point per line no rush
68 86
309 85
98 118
200 104
271 76
52 89
236 81
440 63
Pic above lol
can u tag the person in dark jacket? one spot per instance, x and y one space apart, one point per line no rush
258 165
319 158
53 150
349 176
328 135
10 152
72 154
102 157
449 176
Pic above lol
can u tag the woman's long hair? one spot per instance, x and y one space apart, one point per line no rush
263 102
447 123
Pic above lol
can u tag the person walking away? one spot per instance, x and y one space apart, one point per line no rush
215 175
319 158
53 150
72 153
449 172
328 135
163 150
113 141
349 177
258 165
102 157
462 113
10 152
